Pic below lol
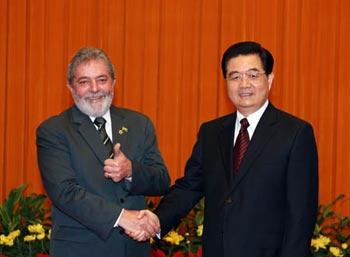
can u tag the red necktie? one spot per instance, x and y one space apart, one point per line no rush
241 144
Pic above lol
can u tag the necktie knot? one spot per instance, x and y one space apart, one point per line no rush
100 122
244 123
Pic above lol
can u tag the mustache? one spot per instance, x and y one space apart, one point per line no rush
96 95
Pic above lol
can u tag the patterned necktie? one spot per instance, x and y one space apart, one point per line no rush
241 144
100 123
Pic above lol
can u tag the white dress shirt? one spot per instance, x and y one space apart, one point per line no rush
108 125
253 120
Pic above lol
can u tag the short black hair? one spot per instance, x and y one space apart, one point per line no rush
247 48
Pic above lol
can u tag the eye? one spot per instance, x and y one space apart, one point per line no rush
83 82
234 77
253 75
102 80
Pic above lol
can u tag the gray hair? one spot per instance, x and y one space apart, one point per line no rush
84 55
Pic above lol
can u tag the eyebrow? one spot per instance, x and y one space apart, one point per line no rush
81 78
235 71
86 77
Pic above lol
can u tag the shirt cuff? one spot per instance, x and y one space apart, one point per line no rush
116 224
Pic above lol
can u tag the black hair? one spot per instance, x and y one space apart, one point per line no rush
247 48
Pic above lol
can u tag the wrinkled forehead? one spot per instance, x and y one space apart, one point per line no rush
88 66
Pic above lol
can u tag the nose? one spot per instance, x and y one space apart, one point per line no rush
94 86
244 81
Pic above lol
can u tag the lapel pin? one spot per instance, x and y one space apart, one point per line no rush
123 130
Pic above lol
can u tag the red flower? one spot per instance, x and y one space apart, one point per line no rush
178 254
42 255
158 253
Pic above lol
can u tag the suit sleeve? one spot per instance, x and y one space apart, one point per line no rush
149 175
301 195
184 194
89 209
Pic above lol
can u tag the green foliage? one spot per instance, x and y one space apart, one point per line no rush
18 213
9 213
25 225
331 235
187 238
332 231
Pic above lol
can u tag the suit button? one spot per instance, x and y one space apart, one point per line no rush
229 200
121 200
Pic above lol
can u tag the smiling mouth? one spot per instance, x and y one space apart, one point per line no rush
95 99
246 94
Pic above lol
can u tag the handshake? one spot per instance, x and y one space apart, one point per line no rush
140 225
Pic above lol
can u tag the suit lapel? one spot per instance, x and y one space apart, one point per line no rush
120 132
88 131
120 127
262 134
226 146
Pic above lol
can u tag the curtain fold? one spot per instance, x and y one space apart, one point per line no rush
167 55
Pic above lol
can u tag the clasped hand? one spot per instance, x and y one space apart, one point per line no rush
139 225
119 167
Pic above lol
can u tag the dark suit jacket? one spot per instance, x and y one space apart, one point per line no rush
86 204
269 207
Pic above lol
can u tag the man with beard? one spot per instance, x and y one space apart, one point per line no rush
97 189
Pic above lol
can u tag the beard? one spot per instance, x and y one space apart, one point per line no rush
94 109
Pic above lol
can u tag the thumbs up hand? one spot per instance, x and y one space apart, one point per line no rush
119 167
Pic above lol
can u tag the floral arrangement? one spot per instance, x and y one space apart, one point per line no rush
25 230
24 225
185 241
332 232
331 235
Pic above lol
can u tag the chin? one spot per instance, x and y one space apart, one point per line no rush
94 109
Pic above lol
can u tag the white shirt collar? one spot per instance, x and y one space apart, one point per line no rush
106 116
108 126
253 120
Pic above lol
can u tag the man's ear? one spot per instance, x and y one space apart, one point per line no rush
69 86
270 78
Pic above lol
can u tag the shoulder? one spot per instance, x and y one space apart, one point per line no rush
285 124
128 113
220 121
56 122
218 124
291 120
131 118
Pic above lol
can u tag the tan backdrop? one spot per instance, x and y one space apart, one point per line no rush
167 55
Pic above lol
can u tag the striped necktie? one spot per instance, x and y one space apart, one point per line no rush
241 144
101 125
